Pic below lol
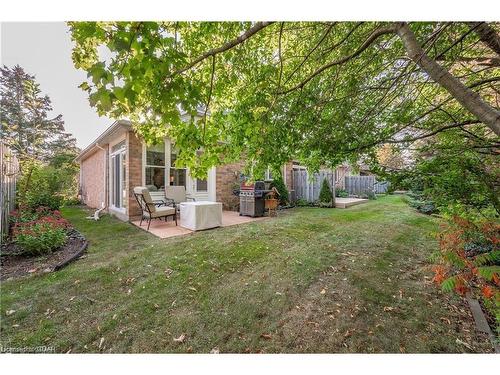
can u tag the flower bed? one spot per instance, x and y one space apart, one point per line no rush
40 241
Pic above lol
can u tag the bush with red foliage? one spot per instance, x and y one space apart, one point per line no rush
469 261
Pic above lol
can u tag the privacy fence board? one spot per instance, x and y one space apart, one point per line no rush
358 185
381 187
9 168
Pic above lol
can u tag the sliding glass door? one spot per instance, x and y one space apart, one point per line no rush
118 175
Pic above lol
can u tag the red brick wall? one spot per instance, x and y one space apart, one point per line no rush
226 176
134 166
92 179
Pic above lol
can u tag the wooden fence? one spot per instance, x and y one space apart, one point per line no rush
9 168
381 187
308 189
358 185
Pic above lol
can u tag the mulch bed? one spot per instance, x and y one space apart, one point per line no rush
15 266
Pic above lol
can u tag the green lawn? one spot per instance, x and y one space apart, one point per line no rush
311 280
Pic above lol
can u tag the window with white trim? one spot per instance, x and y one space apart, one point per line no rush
201 185
155 167
177 175
268 176
118 176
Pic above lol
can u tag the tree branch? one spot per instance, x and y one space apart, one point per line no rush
487 35
310 53
258 26
427 135
465 96
373 36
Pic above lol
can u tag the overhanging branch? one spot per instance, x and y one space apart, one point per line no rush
258 26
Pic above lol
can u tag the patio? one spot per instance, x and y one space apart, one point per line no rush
348 202
163 229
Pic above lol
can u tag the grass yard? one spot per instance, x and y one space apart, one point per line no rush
311 280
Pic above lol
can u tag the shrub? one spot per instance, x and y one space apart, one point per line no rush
425 207
325 194
417 200
41 232
303 203
341 193
47 186
40 238
369 195
37 199
469 261
280 186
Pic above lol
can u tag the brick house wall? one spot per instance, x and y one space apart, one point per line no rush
93 180
134 167
226 176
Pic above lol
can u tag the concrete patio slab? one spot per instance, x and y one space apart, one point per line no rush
348 202
163 229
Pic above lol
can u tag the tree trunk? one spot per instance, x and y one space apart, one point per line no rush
487 35
465 96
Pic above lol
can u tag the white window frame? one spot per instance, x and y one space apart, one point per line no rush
186 179
166 181
267 175
117 153
196 185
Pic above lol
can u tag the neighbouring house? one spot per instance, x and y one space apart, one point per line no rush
118 160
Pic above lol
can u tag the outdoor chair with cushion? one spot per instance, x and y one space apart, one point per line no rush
158 196
153 210
178 195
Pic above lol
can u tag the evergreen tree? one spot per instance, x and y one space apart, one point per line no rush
26 125
325 195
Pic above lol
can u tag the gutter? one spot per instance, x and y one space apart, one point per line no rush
115 125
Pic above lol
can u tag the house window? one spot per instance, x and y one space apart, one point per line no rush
201 185
268 175
155 167
177 175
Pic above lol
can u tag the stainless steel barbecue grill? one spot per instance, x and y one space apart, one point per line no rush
252 199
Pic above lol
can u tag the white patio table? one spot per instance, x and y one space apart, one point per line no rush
201 215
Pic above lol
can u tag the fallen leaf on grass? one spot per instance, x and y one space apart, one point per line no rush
101 342
323 291
266 336
388 308
214 350
180 339
10 312
192 288
458 341
168 272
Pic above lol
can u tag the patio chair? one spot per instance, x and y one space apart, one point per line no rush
177 194
153 210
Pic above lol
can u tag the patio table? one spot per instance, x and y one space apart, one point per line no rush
201 215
